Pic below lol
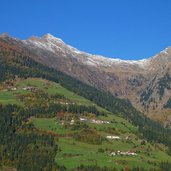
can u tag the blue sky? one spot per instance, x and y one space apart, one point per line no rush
126 29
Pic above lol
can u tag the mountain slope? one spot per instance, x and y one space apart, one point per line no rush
74 140
16 63
146 83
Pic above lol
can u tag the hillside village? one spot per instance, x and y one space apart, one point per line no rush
80 124
89 120
71 119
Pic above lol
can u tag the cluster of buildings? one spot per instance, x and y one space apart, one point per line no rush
82 119
123 153
94 121
33 89
10 88
99 121
112 137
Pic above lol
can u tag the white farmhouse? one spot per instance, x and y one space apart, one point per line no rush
112 137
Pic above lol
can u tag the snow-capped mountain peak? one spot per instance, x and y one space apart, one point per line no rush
50 43
50 37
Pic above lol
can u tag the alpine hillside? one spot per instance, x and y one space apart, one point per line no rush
146 83
56 112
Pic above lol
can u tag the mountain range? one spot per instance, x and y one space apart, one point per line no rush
145 83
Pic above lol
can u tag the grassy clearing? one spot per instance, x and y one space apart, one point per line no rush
74 153
9 97
117 123
49 124
52 88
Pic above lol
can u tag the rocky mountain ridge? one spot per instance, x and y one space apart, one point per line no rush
146 83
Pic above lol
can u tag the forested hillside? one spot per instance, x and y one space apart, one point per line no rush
14 64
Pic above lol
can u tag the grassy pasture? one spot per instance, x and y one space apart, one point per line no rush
74 153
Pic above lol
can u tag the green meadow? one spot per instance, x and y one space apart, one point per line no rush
72 153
